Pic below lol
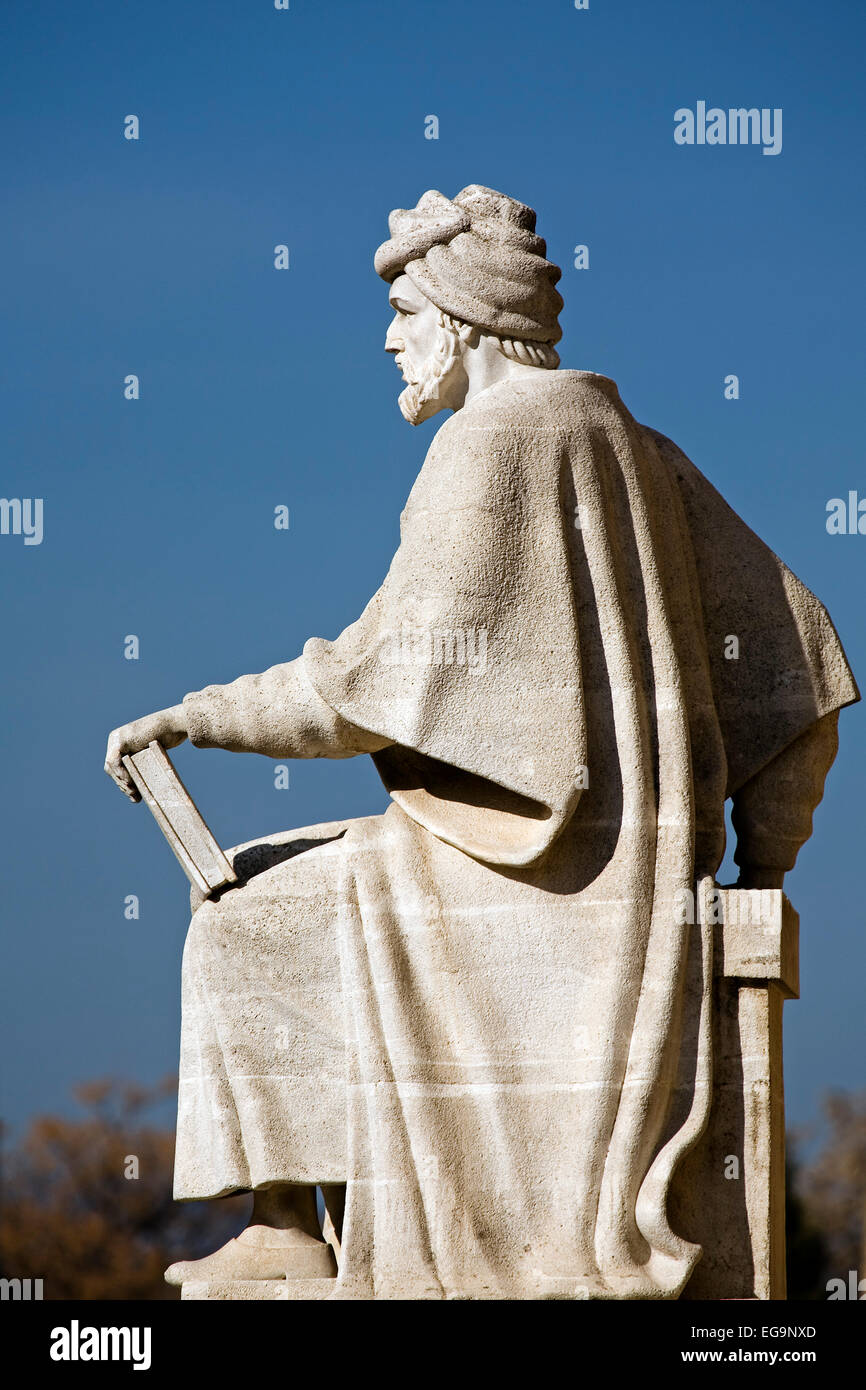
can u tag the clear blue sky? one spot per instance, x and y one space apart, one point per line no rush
261 387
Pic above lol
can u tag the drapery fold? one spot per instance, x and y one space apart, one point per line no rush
526 1015
544 1172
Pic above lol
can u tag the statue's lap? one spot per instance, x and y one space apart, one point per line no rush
262 1068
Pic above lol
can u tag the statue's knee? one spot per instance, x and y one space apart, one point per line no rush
206 934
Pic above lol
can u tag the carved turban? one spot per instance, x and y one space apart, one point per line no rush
477 258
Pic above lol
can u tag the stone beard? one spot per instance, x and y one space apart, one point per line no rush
427 379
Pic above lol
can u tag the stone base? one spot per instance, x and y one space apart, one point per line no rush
264 1290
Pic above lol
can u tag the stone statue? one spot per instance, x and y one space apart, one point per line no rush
484 1018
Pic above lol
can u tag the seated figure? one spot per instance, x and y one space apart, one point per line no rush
468 1017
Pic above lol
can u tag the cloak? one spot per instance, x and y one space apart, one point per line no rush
528 1028
489 752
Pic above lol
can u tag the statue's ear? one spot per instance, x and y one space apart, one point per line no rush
469 334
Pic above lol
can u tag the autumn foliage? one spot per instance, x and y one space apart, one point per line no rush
75 1215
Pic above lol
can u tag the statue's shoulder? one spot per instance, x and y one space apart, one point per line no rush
546 398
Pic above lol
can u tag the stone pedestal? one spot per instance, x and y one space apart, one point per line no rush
259 1290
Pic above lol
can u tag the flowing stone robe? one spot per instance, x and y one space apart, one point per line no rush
485 1009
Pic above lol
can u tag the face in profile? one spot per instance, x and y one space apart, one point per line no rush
427 351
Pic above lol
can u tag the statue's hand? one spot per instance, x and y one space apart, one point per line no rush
168 727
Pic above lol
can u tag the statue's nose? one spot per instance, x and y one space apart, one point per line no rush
393 341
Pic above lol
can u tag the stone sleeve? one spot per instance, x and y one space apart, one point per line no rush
277 714
772 812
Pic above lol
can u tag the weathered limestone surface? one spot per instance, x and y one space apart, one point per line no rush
259 1290
736 1212
737 1217
486 1014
